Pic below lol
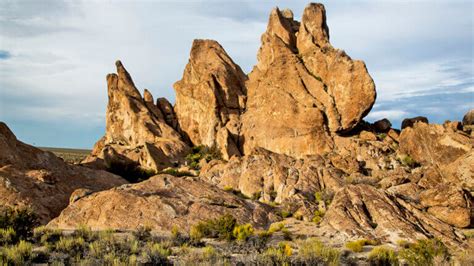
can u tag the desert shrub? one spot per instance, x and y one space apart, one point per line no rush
205 256
275 227
285 213
156 254
175 172
222 228
21 220
318 216
280 255
7 236
202 152
18 254
314 252
85 232
46 235
74 246
324 196
243 232
382 255
143 233
358 245
469 233
424 252
407 160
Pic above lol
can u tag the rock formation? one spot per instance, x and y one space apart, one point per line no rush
136 129
211 97
292 138
36 178
161 202
302 90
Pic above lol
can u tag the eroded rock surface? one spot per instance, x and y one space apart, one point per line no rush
136 128
36 178
211 97
161 202
302 89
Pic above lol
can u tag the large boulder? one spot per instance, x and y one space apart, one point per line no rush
136 129
211 97
362 211
161 202
302 89
468 119
434 144
39 179
409 122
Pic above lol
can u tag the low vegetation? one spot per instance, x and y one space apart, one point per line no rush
314 252
83 246
202 152
382 255
358 245
424 252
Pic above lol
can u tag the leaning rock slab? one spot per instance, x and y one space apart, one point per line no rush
162 202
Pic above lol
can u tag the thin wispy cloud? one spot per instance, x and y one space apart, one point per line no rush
54 55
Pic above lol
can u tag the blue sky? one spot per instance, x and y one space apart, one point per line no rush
54 55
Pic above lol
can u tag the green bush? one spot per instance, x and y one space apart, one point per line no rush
21 220
318 216
7 236
275 227
156 254
275 256
243 232
85 232
314 252
143 233
222 228
358 245
202 152
407 160
175 172
285 214
74 246
46 235
424 252
382 255
19 254
205 256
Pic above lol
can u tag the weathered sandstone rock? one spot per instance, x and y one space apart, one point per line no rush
434 144
32 177
409 122
364 211
161 202
302 90
210 98
136 128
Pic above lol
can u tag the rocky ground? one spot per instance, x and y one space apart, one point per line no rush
274 167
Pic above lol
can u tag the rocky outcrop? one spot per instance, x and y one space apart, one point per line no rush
363 211
409 122
382 125
302 89
136 129
434 144
161 202
468 119
39 179
211 97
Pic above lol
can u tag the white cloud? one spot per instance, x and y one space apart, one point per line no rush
389 114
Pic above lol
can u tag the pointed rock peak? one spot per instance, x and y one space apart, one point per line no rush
6 132
282 25
147 96
124 82
313 23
